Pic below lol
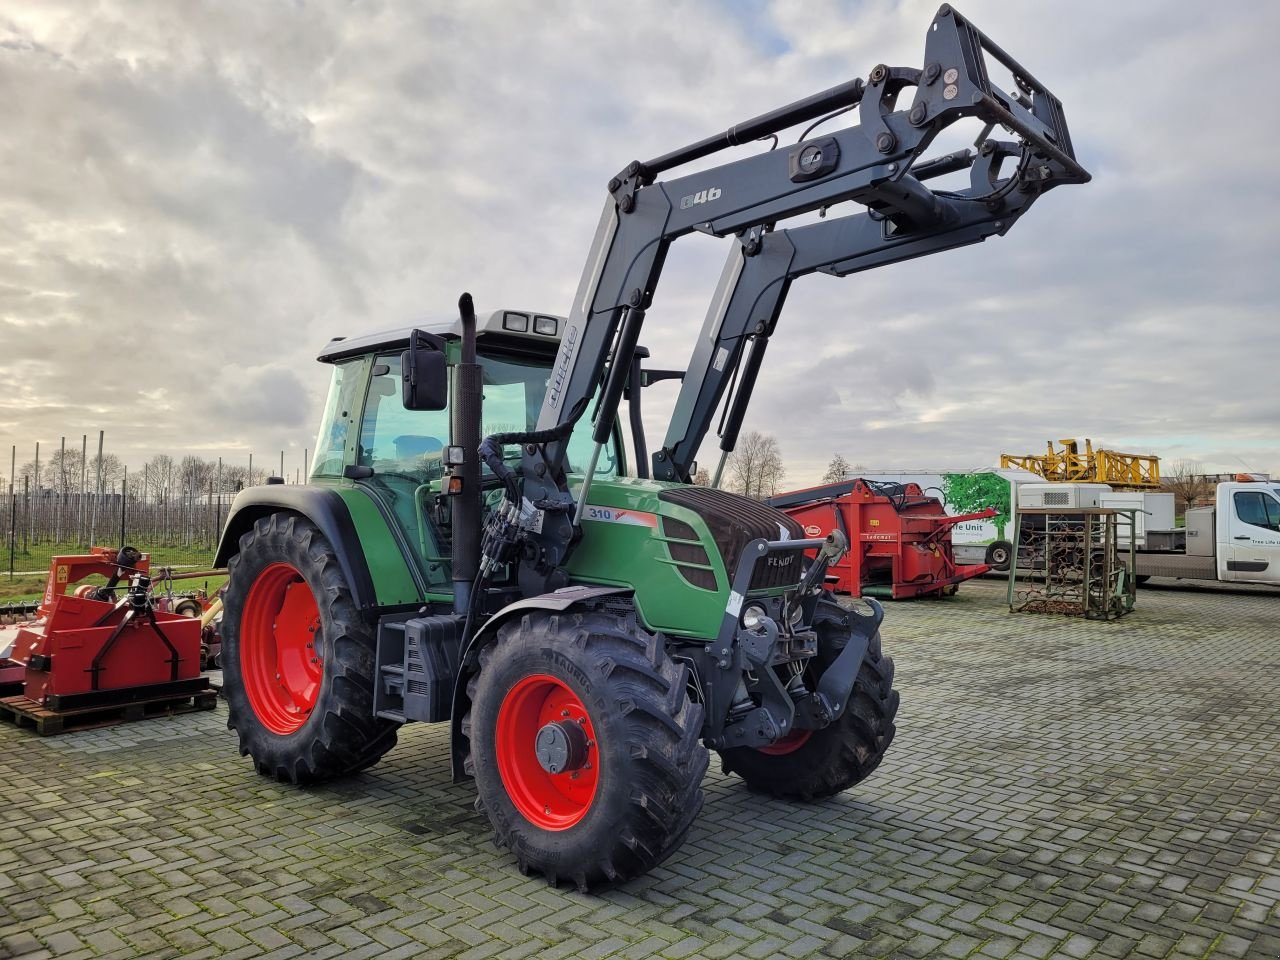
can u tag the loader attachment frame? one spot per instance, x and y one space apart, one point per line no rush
871 163
757 278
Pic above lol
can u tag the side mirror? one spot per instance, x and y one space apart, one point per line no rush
425 374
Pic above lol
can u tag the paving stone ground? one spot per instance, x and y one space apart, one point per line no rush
1057 789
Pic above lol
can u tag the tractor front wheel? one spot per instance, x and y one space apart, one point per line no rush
812 764
585 746
298 659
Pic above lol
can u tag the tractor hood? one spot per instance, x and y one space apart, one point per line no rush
677 546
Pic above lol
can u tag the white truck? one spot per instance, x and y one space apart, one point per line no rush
1237 540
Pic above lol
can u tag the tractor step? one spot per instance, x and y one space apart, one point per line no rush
24 712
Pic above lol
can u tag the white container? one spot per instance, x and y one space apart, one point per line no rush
1069 496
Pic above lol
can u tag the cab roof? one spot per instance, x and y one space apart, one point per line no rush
526 325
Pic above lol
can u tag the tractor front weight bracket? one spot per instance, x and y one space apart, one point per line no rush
742 659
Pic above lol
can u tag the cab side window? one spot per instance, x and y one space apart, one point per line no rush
396 440
405 449
1257 509
338 413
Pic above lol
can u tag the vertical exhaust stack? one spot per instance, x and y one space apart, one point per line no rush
466 509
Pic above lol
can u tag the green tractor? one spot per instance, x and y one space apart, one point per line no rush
476 547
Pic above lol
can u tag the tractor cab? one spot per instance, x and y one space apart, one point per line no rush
369 438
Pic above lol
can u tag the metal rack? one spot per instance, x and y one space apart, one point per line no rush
1071 562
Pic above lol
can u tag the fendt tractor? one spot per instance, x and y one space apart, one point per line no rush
474 547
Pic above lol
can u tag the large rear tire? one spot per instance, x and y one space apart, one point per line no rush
812 764
585 746
297 658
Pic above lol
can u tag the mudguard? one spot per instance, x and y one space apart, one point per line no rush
322 507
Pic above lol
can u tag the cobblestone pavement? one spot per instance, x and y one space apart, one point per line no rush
1057 789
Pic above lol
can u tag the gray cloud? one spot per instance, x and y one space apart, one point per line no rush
195 197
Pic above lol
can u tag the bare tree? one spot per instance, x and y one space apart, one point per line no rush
1185 479
702 478
838 469
196 474
236 478
756 466
112 470
157 475
63 474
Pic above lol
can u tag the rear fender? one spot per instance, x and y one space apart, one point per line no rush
322 507
557 602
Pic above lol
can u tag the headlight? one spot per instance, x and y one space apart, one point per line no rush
753 617
797 614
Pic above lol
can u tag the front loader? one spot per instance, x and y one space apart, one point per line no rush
473 548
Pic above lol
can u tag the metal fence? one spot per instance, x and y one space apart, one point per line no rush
171 508
180 529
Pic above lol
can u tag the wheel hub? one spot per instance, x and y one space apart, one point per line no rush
561 746
546 751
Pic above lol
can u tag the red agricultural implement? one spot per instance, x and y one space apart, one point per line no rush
94 648
899 538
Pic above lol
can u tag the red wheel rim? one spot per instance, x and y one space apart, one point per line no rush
792 742
550 801
279 648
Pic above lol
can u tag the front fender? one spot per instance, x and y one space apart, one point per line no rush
323 507
558 601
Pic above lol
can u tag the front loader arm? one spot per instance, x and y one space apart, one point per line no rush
761 267
870 163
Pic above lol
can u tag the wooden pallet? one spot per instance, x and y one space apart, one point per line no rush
27 713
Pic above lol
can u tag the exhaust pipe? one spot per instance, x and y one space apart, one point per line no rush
466 505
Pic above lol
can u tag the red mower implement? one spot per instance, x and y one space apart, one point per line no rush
92 648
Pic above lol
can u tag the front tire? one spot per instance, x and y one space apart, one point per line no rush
813 764
297 658
585 746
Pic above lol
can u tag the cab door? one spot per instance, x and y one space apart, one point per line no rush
1251 545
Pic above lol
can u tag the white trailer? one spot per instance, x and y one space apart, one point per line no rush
991 541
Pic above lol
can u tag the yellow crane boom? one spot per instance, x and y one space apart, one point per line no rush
1125 471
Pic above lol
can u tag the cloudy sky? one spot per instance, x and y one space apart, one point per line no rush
194 197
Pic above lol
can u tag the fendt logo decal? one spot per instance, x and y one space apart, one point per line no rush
702 196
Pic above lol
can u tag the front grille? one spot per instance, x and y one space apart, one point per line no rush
734 522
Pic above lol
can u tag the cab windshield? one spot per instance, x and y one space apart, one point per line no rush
393 439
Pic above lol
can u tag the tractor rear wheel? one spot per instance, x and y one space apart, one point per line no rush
585 746
298 659
812 764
